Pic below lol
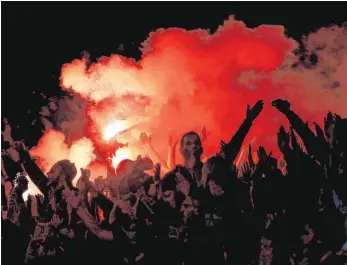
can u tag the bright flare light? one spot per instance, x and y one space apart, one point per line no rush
113 128
120 155
32 190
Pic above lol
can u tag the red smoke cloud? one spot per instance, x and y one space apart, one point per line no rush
189 79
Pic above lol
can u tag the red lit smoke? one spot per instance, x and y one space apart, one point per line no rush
189 79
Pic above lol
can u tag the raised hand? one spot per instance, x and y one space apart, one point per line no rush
204 134
283 139
262 155
173 140
282 105
145 139
253 113
70 197
82 183
247 171
85 174
156 171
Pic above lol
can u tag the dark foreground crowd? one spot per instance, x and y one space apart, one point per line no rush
293 212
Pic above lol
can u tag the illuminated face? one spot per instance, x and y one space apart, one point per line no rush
215 190
24 186
189 208
191 146
21 183
54 173
169 197
129 207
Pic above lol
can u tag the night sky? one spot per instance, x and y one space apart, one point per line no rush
38 37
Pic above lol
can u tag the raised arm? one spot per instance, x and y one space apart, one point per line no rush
232 148
31 168
85 216
91 224
171 160
283 140
155 157
311 142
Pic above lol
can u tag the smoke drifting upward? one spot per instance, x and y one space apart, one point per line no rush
189 79
52 147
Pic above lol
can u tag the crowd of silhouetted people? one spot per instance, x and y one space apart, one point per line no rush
205 211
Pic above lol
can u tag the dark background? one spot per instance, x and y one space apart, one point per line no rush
38 37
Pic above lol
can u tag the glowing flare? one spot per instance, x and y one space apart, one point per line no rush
113 128
120 155
174 87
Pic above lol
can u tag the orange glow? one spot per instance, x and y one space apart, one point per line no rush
187 79
32 190
121 154
113 129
